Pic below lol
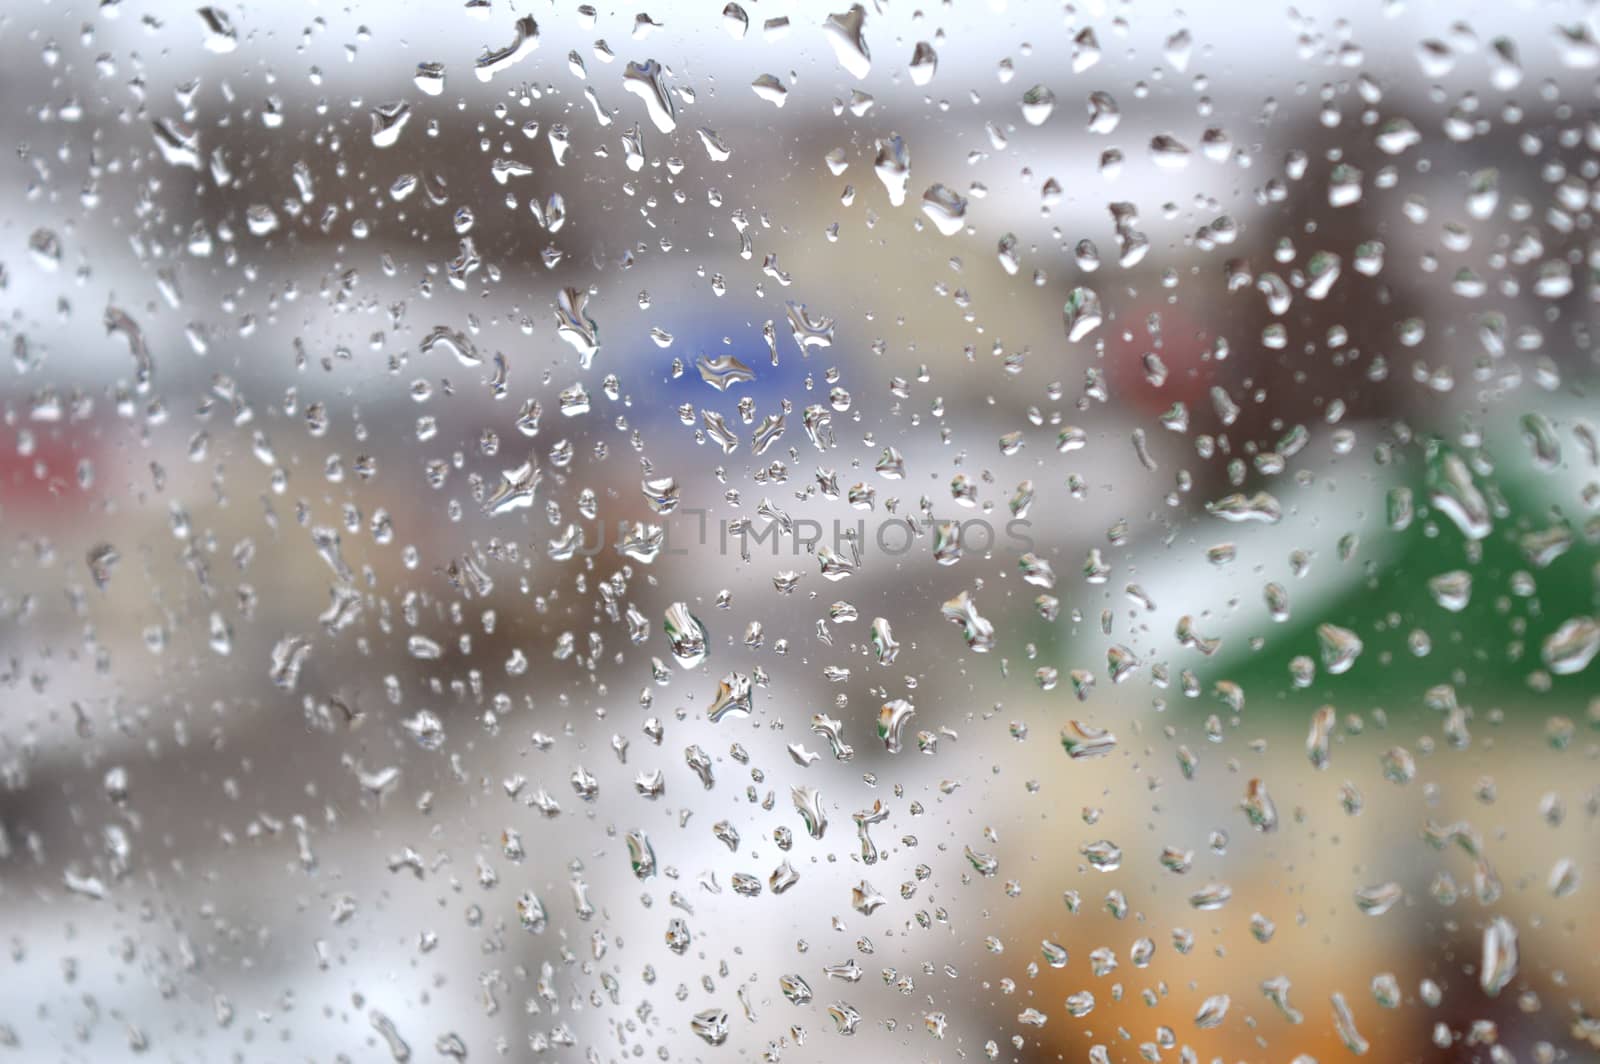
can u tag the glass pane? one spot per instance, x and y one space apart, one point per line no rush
1008 531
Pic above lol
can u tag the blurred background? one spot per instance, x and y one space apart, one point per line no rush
432 625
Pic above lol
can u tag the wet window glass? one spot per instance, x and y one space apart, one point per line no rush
957 530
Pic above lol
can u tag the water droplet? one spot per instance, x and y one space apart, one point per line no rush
574 325
1344 1022
734 698
808 803
221 37
429 78
1104 115
1237 508
975 629
1320 738
531 913
1038 103
846 32
892 718
388 122
893 167
884 644
1104 855
641 855
808 331
1571 647
1212 1012
1168 152
1081 740
716 151
1379 899
946 209
1340 648
686 635
1081 313
1258 806
865 900
1452 491
770 89
178 142
1499 964
495 60
711 1025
